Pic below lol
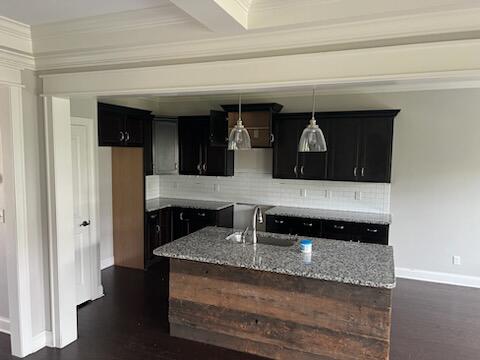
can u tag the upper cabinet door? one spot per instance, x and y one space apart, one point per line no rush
191 130
218 135
376 149
285 146
313 165
134 129
111 126
343 149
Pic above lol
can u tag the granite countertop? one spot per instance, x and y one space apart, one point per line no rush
339 215
162 203
332 260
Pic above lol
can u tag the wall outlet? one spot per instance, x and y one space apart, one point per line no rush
358 195
216 187
456 260
303 193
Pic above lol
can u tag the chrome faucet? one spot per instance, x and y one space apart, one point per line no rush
256 211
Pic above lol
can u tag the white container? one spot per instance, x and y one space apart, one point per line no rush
306 246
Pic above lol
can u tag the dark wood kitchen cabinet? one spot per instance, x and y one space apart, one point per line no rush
157 232
201 148
186 221
288 163
360 145
328 229
121 126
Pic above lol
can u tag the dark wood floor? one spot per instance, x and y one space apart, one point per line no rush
430 322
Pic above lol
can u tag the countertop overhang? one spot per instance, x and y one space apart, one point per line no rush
332 260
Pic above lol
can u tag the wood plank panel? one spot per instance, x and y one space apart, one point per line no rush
278 315
128 207
308 309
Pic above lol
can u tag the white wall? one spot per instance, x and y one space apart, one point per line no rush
435 192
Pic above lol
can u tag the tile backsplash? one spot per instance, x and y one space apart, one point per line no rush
262 189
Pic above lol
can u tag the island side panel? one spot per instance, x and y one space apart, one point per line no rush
278 316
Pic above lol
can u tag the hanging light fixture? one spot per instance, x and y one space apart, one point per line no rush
312 139
239 138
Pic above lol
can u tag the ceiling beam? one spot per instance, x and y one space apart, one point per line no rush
223 16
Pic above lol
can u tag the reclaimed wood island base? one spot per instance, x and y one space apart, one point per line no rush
278 316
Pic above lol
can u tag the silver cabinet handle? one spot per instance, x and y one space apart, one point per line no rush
122 136
363 171
372 230
339 227
295 170
355 171
181 216
202 214
204 167
308 224
127 136
157 227
301 170
272 138
279 221
199 168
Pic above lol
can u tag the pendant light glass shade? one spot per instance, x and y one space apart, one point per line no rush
312 139
239 138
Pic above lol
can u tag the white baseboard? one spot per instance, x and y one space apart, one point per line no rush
438 277
4 325
106 263
45 338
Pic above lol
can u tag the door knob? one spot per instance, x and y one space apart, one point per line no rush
85 223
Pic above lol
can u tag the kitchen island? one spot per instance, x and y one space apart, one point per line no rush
276 302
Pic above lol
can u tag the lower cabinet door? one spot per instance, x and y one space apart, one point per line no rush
308 227
339 230
373 234
151 236
280 224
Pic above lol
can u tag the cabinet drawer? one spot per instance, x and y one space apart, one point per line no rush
339 230
280 224
308 227
372 233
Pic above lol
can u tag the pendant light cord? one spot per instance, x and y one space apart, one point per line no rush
240 108
313 109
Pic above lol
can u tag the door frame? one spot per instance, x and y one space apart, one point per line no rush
18 271
96 289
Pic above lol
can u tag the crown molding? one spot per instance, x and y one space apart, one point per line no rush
15 35
261 43
436 63
163 15
16 60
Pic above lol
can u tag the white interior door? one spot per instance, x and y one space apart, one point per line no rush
81 198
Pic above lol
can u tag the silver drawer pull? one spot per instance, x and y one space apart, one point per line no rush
278 221
339 227
308 224
372 230
157 227
201 214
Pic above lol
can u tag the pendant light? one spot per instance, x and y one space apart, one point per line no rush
239 138
312 139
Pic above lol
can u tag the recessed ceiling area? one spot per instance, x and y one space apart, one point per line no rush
46 11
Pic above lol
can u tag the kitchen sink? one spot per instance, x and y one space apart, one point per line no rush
264 239
276 241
